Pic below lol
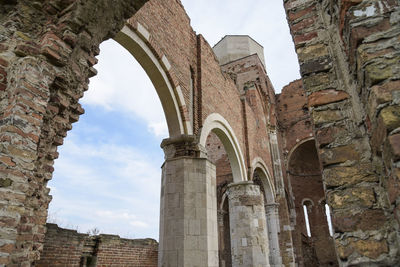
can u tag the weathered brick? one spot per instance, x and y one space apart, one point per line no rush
326 96
7 160
298 13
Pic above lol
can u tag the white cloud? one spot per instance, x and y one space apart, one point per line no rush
106 185
123 85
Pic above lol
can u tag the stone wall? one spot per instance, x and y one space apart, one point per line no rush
47 53
63 247
348 54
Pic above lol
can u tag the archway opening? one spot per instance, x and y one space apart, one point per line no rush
107 179
217 154
314 242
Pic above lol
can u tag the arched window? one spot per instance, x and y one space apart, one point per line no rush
307 206
329 219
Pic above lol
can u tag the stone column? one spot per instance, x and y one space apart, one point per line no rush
272 218
188 211
249 238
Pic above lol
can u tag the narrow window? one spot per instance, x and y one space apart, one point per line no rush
328 218
307 222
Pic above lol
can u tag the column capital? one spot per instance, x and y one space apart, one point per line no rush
182 146
271 205
241 183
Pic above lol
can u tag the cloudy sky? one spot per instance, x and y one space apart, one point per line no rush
108 173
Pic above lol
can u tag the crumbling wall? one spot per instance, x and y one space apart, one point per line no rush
63 247
348 54
47 53
303 178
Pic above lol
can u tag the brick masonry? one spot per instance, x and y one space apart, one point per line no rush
65 247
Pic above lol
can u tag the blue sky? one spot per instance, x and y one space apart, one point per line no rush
108 173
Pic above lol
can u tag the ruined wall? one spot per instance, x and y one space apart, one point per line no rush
293 117
47 50
254 86
47 54
303 178
63 247
348 54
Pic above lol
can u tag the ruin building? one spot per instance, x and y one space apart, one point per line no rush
250 178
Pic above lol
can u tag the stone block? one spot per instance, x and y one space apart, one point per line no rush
370 248
363 197
327 116
390 117
367 220
380 71
316 81
344 176
394 143
381 94
312 52
393 186
328 135
340 154
324 97
316 65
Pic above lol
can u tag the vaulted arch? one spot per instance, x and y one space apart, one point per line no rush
217 124
171 97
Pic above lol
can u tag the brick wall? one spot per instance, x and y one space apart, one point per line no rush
68 248
304 178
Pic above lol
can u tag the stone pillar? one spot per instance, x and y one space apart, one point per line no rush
272 218
188 211
249 238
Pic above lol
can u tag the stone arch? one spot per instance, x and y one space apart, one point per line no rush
305 176
170 96
307 201
298 144
217 124
259 165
